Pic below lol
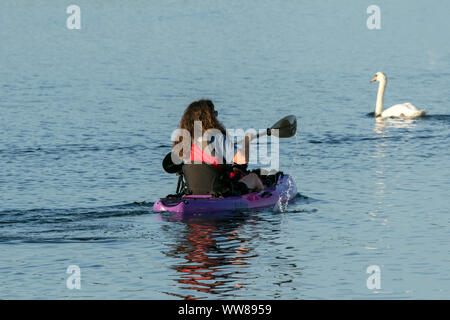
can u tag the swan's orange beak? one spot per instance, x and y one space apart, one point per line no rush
374 79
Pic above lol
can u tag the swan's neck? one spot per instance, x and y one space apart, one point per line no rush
379 105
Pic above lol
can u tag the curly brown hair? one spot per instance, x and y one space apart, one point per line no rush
201 110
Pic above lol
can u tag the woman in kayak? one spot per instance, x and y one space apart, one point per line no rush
202 116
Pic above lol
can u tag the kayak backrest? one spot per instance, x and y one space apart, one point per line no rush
202 179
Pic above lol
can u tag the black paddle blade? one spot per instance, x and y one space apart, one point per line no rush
287 126
169 166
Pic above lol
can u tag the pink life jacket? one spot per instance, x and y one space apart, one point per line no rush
198 155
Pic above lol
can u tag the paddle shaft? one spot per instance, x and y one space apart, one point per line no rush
253 137
286 127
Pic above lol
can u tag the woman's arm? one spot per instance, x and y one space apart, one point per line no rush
242 155
230 151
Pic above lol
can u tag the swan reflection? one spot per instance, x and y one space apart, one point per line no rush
383 125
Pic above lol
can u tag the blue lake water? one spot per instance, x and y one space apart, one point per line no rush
86 117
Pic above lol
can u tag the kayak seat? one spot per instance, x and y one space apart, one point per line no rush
203 179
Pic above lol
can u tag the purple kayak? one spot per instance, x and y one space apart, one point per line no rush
283 191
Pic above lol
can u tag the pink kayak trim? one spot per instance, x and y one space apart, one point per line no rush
284 191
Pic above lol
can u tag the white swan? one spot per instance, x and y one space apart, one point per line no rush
404 110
